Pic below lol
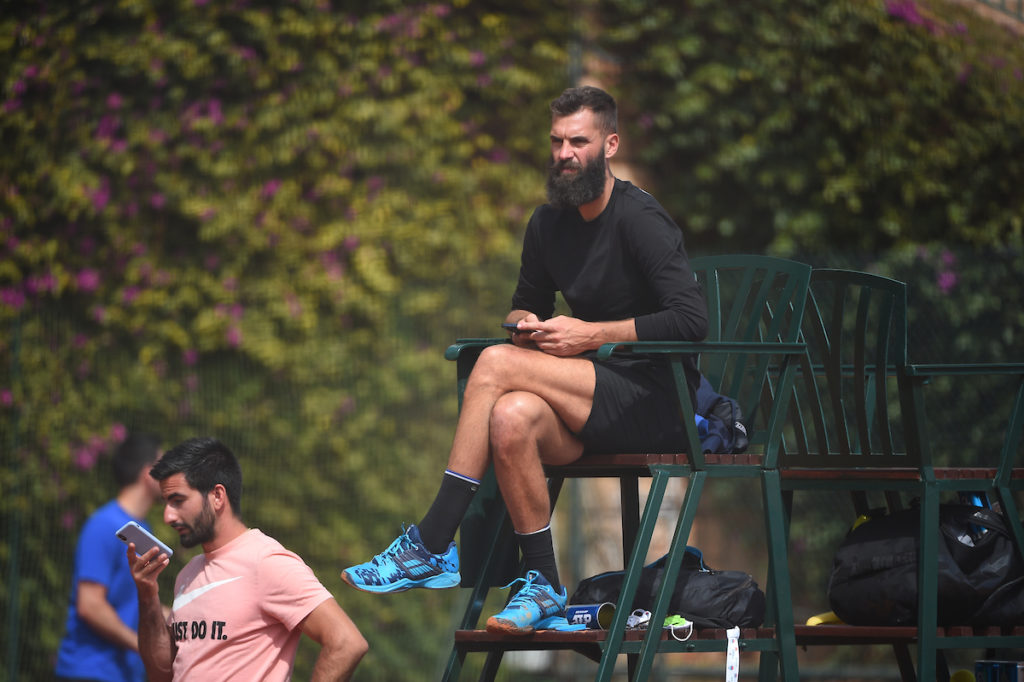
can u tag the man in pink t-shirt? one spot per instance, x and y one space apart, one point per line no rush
241 606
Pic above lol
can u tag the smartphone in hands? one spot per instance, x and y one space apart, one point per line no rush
144 541
511 326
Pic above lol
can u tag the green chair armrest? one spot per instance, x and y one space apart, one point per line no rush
455 350
684 347
970 369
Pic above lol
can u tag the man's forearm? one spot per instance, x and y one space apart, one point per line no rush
155 641
337 664
98 614
111 629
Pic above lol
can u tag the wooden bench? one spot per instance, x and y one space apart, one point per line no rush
755 306
856 394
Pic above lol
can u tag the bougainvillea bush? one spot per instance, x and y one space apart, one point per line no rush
265 220
261 221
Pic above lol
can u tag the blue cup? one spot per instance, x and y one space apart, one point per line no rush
594 616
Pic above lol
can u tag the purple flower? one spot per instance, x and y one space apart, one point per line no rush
129 295
114 101
906 10
234 336
107 126
85 458
270 188
477 58
157 201
12 298
40 284
6 397
101 195
118 432
213 110
946 281
190 357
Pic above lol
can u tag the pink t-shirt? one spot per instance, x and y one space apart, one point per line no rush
236 611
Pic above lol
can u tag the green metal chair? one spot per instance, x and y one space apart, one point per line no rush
755 307
859 425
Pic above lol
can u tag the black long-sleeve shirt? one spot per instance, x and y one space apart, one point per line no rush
629 262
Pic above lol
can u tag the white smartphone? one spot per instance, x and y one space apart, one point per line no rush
143 539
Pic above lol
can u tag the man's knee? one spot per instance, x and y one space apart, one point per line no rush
491 366
515 419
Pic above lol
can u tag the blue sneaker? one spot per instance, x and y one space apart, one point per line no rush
405 564
536 606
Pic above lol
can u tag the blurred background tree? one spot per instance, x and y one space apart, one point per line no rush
264 221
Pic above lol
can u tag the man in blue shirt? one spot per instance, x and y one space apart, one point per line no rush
101 643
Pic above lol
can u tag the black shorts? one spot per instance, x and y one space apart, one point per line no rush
635 408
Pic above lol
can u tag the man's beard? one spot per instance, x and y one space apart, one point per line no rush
575 189
201 529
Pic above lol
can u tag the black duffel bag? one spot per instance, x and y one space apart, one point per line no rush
980 572
704 596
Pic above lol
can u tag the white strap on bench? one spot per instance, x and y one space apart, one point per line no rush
732 655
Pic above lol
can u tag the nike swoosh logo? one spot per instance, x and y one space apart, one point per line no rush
186 597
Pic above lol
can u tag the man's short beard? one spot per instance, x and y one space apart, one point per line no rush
202 527
575 189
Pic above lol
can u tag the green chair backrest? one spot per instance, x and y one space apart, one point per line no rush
846 410
750 298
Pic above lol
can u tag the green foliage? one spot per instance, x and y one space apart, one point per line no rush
263 221
259 221
801 125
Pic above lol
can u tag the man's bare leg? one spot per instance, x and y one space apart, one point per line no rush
552 397
523 428
565 384
526 433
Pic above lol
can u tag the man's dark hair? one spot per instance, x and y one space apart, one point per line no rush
135 453
588 97
205 463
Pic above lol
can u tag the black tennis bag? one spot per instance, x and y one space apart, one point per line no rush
980 572
704 596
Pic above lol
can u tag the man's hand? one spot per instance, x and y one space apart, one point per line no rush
145 570
567 336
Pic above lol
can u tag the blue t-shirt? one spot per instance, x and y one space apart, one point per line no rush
101 558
